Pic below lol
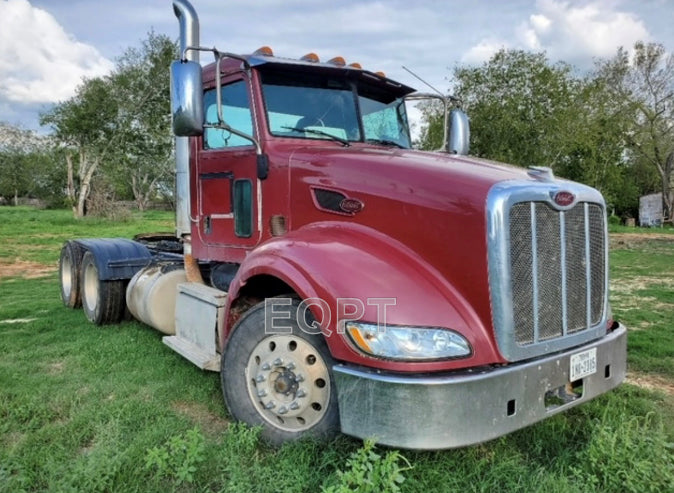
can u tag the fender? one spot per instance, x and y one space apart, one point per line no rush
117 258
336 260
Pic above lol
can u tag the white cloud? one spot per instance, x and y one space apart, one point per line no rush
483 51
39 61
575 32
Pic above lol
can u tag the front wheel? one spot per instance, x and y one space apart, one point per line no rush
282 381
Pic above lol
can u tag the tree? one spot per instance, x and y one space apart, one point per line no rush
527 111
85 127
141 84
25 166
119 125
649 82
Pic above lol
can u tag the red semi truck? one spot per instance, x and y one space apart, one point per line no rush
340 280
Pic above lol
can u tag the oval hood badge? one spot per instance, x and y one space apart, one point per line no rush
564 198
351 206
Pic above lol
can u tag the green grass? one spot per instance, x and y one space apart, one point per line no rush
91 409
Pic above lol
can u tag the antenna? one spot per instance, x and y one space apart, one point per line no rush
451 98
422 80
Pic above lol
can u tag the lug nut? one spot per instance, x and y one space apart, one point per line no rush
261 393
266 367
278 362
282 410
301 393
299 377
290 366
294 405
260 378
270 405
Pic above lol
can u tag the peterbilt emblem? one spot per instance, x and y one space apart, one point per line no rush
351 206
564 198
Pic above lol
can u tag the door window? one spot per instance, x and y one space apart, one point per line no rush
235 111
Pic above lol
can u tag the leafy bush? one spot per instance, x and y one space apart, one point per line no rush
369 472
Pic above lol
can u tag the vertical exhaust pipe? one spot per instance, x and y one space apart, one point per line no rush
189 36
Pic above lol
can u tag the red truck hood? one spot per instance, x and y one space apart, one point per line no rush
432 203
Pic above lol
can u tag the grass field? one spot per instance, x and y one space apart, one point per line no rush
112 409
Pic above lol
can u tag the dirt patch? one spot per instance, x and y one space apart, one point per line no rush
625 293
651 382
25 269
199 414
628 241
55 368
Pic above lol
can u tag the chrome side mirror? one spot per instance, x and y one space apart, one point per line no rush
459 133
187 105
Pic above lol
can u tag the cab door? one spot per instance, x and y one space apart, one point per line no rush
228 191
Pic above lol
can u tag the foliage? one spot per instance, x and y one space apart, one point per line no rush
141 82
646 83
28 166
610 129
119 125
179 457
369 472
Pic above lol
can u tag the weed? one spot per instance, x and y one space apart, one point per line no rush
369 472
178 458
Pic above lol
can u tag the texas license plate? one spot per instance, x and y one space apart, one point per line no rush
583 364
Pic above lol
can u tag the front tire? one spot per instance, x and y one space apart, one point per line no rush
103 302
282 381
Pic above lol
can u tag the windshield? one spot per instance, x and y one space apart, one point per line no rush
319 106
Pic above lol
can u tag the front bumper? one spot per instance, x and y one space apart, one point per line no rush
463 408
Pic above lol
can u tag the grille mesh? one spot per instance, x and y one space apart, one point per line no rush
556 267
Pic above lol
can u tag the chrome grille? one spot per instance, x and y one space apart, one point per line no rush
557 270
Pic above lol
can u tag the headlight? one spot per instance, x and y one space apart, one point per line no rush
408 343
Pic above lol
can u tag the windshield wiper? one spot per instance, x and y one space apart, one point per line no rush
344 142
386 142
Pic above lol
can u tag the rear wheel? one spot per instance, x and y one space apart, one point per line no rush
70 264
103 301
282 381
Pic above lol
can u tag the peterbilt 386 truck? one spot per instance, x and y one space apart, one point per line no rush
340 280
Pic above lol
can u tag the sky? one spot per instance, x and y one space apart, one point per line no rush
47 46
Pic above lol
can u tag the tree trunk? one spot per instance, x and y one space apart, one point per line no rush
668 188
70 187
86 172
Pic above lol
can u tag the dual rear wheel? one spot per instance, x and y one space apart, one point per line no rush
103 302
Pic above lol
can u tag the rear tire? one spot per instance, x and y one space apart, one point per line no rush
70 264
103 302
282 381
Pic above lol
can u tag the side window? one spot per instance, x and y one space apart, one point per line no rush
235 111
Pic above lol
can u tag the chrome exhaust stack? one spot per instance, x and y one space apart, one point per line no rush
189 37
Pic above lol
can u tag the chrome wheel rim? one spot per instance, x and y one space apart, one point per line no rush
288 382
66 276
90 290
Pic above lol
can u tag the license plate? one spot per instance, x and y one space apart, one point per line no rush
583 364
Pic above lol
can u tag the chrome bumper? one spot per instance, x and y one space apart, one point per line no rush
463 408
